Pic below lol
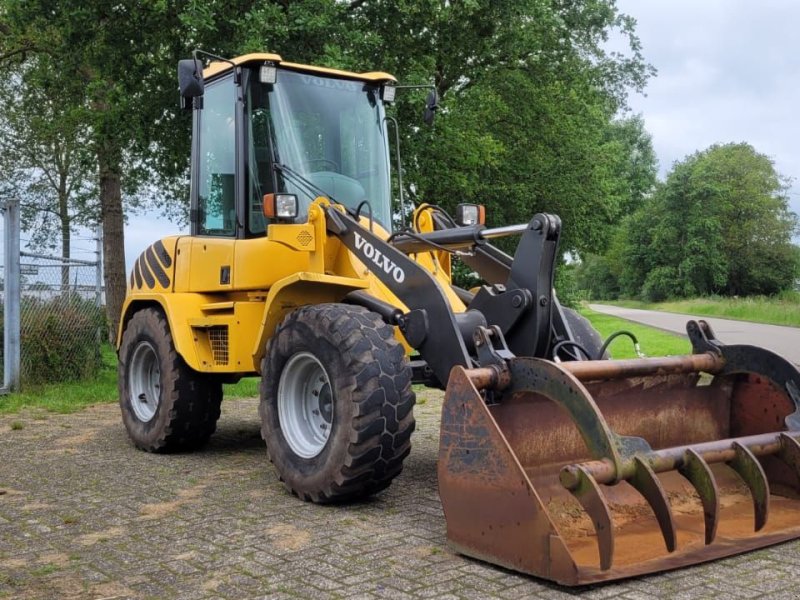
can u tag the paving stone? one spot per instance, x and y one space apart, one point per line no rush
92 517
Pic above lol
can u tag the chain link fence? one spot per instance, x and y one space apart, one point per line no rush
61 319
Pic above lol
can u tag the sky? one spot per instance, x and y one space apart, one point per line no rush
728 71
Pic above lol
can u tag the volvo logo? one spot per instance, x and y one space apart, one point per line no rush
335 84
379 259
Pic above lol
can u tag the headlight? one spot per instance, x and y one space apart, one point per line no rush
470 214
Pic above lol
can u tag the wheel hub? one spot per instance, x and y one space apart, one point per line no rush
145 382
305 405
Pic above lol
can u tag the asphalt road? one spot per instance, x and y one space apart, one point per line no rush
781 340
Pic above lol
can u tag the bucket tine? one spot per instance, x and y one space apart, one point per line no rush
647 484
697 471
749 469
790 452
587 492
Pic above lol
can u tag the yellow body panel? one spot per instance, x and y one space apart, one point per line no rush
213 257
224 297
219 67
153 270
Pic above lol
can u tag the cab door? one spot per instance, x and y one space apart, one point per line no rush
215 169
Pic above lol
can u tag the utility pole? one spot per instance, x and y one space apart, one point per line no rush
98 282
11 333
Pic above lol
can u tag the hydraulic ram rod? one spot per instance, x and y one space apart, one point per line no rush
496 232
453 238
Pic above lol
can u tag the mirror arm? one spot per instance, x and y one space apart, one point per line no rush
237 74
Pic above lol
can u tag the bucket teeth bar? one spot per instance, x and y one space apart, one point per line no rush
636 463
790 452
693 463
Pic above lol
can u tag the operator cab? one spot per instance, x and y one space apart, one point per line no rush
264 126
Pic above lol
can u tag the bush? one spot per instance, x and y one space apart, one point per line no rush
462 275
566 284
60 339
662 283
595 277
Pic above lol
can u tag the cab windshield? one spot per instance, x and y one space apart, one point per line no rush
329 131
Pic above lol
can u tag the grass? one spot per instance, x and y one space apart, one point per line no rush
73 396
653 342
783 309
70 396
246 388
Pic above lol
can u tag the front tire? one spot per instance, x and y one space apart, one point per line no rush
336 403
166 406
586 335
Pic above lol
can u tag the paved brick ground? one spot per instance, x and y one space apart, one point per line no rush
85 515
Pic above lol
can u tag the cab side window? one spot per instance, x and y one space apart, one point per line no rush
217 188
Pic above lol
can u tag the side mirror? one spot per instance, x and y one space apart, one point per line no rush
431 105
190 78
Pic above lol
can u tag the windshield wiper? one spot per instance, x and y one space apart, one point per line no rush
305 184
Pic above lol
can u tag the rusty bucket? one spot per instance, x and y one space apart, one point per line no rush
598 470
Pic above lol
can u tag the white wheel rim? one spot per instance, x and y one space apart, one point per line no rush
144 379
305 405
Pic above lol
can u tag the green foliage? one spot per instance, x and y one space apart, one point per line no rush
720 224
68 396
462 275
59 340
594 276
44 155
247 387
528 90
568 291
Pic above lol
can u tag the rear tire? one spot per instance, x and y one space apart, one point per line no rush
586 335
336 403
166 406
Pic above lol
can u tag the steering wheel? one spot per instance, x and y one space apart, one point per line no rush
323 161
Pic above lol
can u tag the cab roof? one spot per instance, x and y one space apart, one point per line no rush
218 68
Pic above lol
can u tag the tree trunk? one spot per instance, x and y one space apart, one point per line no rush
109 163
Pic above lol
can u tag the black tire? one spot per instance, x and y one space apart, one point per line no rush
583 332
184 405
372 417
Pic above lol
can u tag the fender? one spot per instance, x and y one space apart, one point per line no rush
295 291
176 308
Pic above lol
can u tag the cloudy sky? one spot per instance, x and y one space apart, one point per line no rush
728 71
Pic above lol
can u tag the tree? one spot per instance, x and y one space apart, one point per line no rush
536 59
528 95
719 224
44 156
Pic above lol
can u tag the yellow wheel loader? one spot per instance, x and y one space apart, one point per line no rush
553 460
